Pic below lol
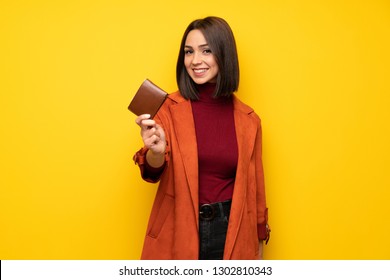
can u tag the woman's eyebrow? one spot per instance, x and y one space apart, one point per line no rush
200 46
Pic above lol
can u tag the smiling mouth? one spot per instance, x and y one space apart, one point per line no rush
200 71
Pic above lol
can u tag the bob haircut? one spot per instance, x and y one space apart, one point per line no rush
220 39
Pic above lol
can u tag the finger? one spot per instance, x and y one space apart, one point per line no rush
155 139
160 131
156 131
140 118
148 122
148 126
147 133
152 141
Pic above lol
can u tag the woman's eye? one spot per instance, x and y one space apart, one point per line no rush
207 51
187 52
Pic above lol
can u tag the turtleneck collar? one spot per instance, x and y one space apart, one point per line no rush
206 93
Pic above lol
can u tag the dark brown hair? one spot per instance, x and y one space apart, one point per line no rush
222 44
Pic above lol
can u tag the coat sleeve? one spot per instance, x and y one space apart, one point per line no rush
263 228
148 173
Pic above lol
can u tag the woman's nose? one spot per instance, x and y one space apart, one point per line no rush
197 58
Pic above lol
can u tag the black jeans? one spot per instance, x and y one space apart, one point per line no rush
212 235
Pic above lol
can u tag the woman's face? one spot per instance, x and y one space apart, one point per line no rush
198 59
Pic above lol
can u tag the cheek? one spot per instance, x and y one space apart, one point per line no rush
212 62
187 62
188 68
215 67
215 64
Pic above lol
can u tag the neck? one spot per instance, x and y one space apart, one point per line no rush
206 93
208 88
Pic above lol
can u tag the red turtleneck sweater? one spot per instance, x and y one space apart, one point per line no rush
217 145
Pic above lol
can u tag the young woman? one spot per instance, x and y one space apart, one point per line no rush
204 148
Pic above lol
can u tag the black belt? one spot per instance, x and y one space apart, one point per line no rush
208 212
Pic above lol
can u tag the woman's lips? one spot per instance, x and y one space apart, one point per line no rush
200 71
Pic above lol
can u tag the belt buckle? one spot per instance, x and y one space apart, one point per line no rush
207 212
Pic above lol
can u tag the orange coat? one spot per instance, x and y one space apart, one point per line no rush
172 231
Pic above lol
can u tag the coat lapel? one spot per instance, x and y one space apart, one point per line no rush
246 129
183 123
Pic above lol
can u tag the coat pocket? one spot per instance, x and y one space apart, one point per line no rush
162 212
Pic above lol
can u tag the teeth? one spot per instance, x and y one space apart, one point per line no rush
198 71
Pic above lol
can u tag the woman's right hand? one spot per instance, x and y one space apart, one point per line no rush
153 136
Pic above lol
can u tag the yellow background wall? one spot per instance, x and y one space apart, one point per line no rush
317 72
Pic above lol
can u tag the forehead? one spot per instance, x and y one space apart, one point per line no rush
195 38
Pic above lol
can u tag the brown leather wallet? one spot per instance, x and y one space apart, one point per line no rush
148 99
